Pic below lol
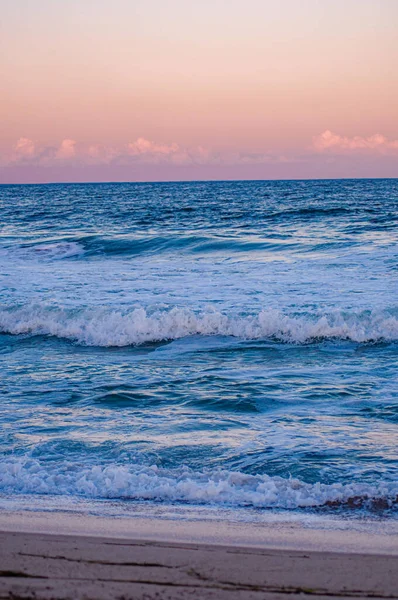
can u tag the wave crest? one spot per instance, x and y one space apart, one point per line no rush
228 488
47 251
107 327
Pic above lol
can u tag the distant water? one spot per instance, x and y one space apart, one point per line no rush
227 344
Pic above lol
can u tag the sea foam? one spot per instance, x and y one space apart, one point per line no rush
44 252
228 488
109 327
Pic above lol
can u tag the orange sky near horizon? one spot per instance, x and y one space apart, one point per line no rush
225 81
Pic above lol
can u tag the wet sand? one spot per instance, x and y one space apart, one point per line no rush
133 564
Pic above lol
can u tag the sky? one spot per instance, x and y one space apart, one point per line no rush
147 90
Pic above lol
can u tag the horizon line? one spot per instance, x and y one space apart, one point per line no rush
172 181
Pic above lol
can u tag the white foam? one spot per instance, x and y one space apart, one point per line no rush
225 488
50 251
106 327
59 250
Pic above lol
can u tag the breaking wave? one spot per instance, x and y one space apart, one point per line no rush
222 488
107 327
128 246
49 251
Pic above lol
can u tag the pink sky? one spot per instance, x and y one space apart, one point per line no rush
221 89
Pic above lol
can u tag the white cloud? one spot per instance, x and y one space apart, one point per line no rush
146 151
24 148
66 150
329 141
140 151
143 147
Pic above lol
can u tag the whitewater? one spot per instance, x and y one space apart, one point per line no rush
217 344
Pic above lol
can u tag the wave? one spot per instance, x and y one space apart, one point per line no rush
195 244
222 487
58 250
130 246
48 251
107 327
316 211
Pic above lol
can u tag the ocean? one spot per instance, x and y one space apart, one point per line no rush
200 346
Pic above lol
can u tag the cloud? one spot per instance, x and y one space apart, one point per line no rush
24 148
143 147
140 151
146 151
26 151
66 150
69 152
100 154
335 143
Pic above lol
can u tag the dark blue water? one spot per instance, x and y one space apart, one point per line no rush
218 344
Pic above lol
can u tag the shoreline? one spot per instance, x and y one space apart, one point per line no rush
284 531
79 557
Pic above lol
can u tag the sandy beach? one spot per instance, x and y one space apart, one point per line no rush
282 560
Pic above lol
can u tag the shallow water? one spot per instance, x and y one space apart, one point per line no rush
229 344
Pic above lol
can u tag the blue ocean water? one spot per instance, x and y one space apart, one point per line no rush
221 344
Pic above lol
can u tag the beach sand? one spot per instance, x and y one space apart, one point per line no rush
76 561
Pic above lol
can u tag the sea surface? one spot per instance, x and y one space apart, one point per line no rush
220 345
